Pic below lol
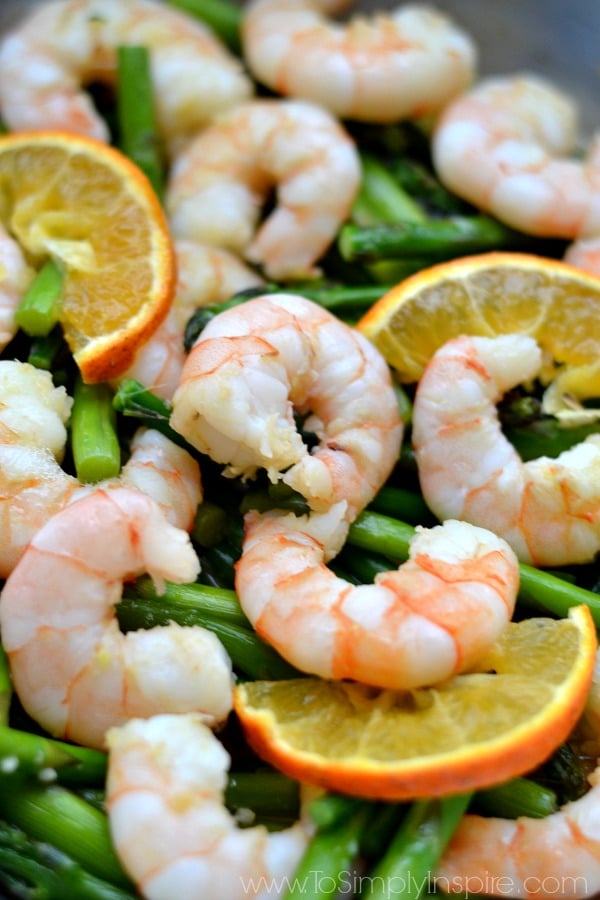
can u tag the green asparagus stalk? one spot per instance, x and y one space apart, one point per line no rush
223 16
381 199
56 815
408 863
435 239
37 313
94 439
134 400
32 870
518 797
138 134
27 755
325 868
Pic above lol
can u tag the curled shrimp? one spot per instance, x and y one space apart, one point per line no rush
547 509
508 146
223 178
63 45
172 770
433 617
74 671
554 856
403 64
205 275
33 485
254 364
15 277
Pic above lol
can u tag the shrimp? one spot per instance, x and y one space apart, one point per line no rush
404 64
247 368
74 671
433 617
15 277
169 824
547 509
33 485
222 179
205 275
63 45
555 856
505 147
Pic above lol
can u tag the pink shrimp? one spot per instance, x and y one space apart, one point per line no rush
433 617
509 147
256 362
73 670
547 509
169 824
223 178
405 63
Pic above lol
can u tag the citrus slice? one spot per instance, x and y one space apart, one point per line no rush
88 207
469 732
489 294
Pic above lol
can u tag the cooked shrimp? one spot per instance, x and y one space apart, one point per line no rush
15 277
434 616
74 671
220 182
63 45
403 64
34 487
169 824
547 509
555 856
256 362
205 275
505 146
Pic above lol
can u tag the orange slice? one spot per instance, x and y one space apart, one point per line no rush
490 294
470 732
88 207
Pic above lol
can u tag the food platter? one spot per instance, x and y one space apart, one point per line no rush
562 45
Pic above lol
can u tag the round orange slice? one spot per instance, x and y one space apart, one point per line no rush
88 207
470 732
489 294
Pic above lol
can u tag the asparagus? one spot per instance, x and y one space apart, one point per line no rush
46 349
267 793
518 797
223 16
37 312
45 760
138 136
434 239
31 870
56 815
133 399
381 199
94 439
325 868
407 865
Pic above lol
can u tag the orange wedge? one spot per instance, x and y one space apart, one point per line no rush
490 294
470 732
88 207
